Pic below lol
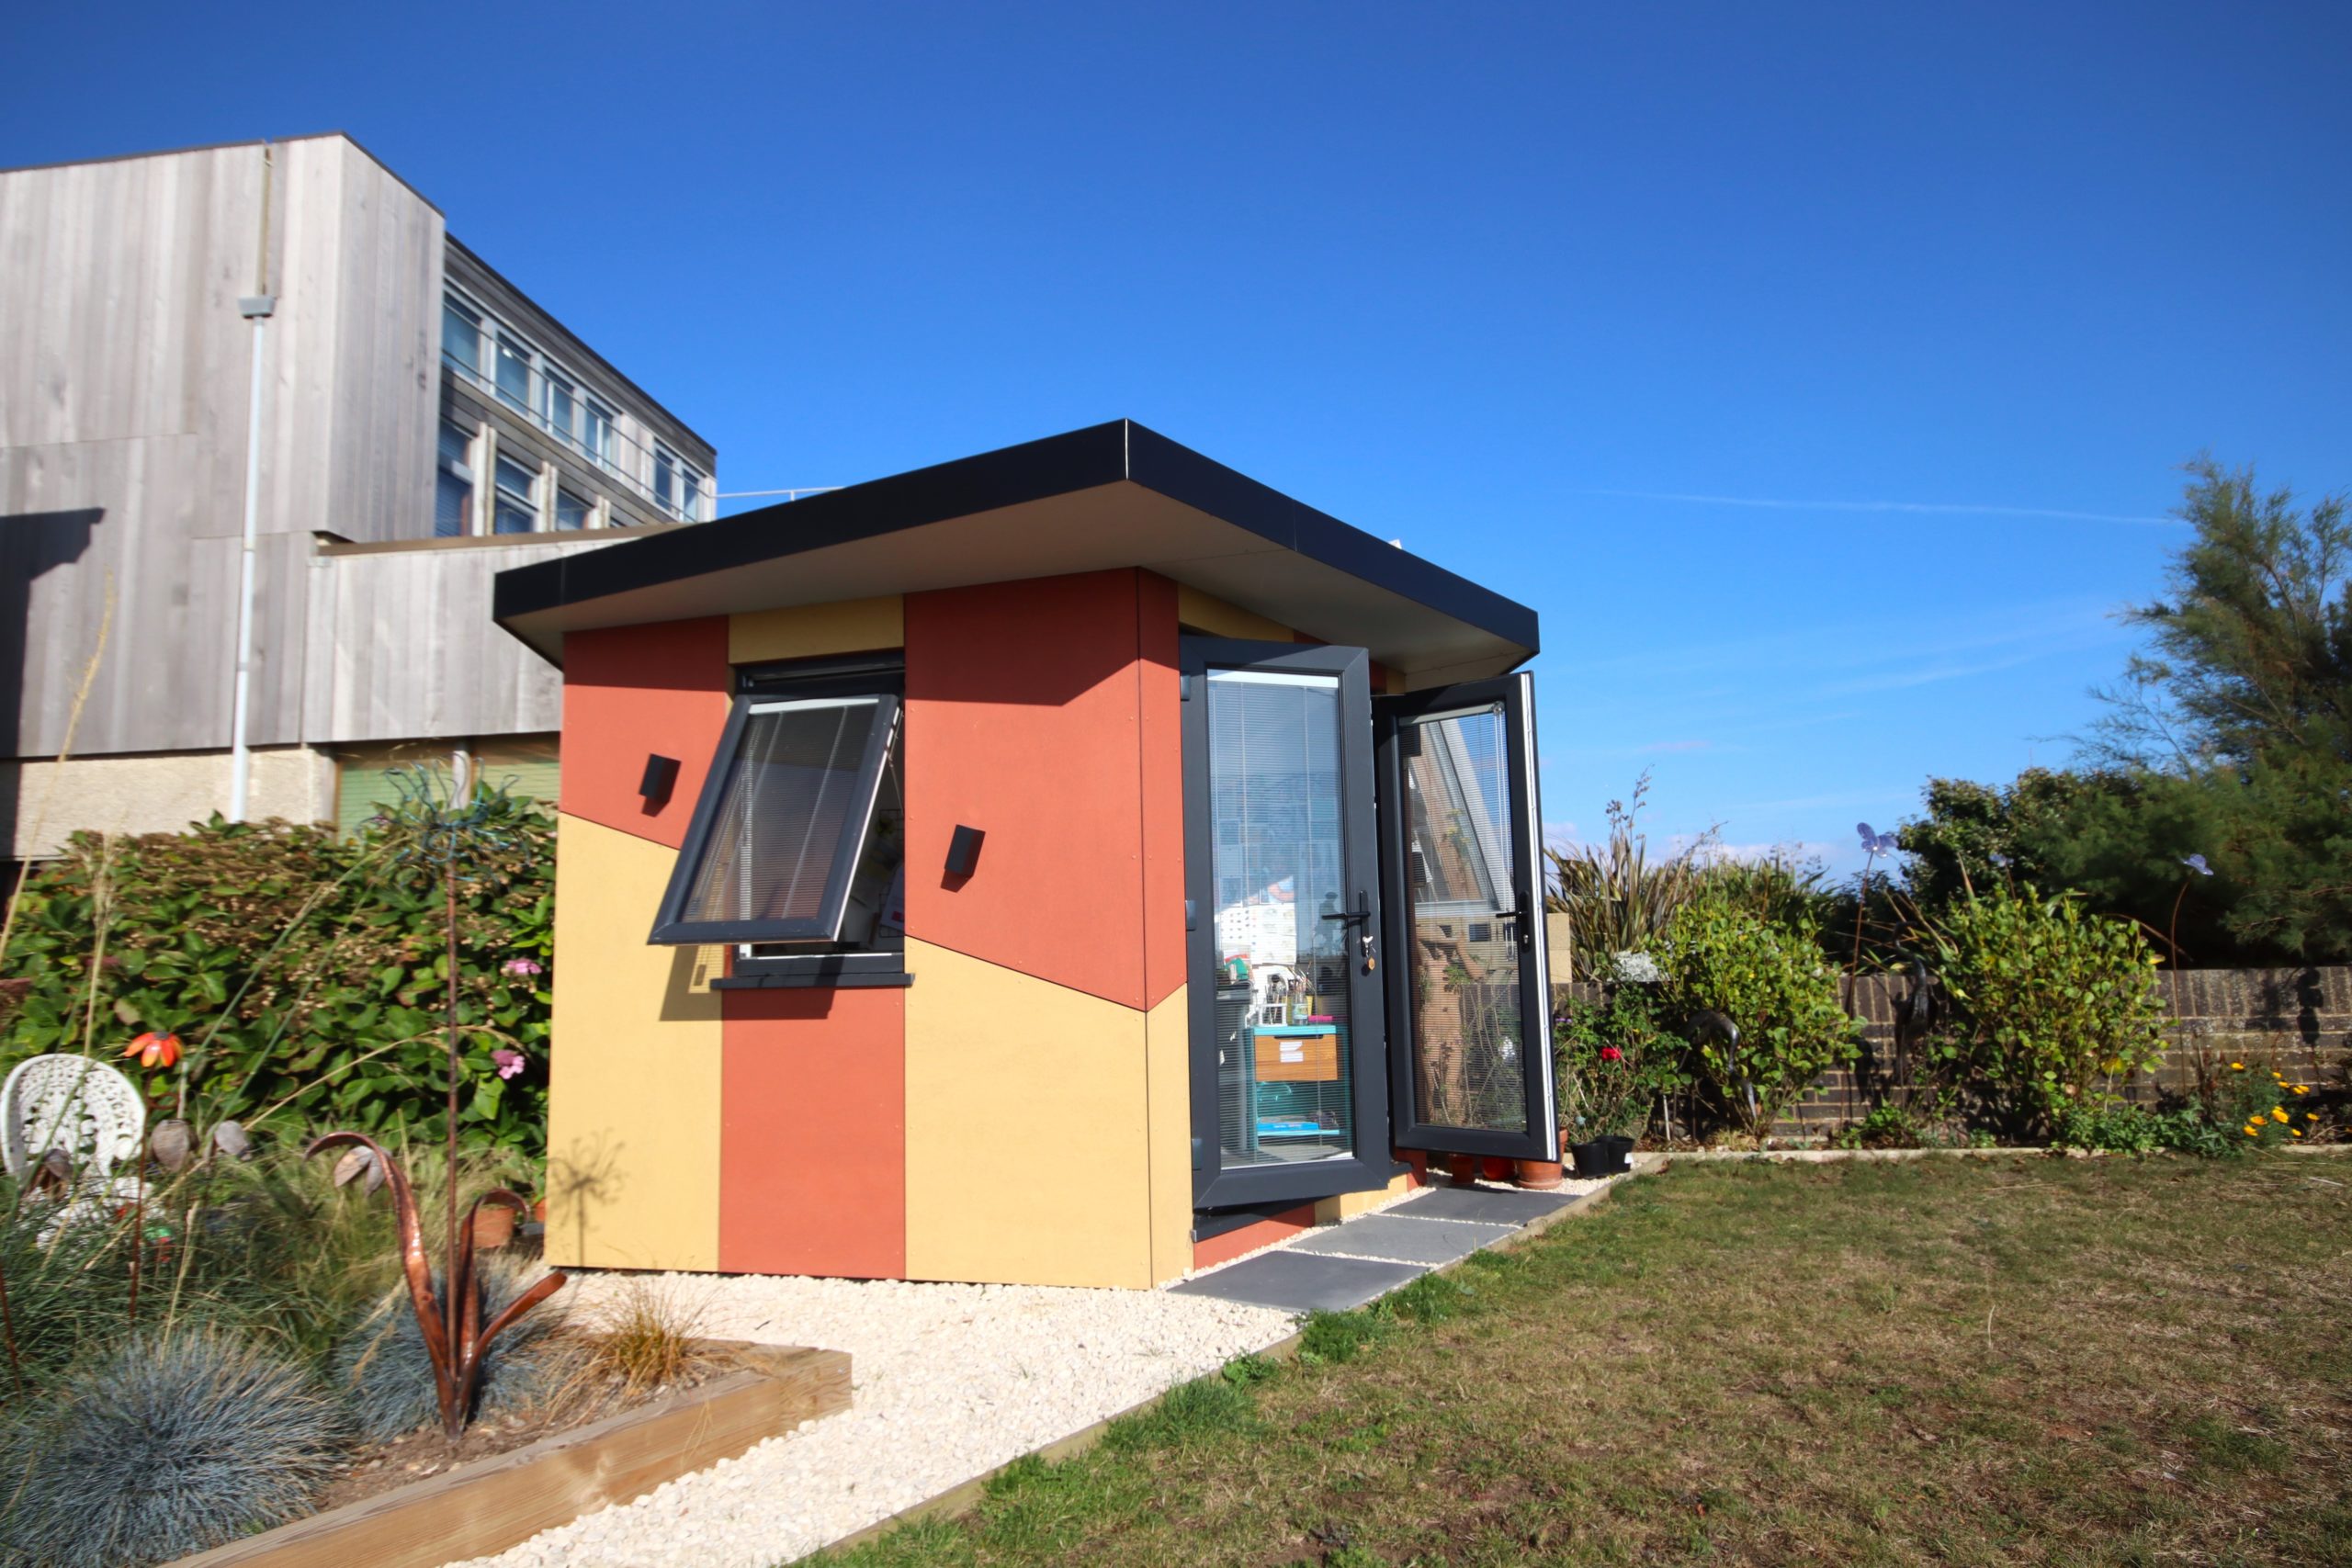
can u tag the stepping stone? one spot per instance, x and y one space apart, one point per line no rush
1482 1205
1402 1238
1301 1281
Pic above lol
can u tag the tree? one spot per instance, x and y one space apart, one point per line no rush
2229 738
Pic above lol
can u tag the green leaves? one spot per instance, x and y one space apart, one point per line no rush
303 971
1770 980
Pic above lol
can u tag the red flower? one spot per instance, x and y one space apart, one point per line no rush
1610 1053
154 1049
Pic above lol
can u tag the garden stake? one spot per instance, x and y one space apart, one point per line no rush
8 1328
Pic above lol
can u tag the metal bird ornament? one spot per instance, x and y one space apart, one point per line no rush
454 1336
229 1138
361 1164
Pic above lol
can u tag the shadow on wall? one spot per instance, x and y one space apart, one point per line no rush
581 1178
31 544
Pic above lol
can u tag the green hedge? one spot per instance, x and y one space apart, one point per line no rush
303 972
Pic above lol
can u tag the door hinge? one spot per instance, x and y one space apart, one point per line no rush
1189 924
1184 688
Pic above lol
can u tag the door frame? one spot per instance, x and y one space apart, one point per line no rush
1516 693
1372 1165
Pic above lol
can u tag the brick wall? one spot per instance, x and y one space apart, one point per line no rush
2299 1021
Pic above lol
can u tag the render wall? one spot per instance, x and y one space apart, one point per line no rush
1020 1113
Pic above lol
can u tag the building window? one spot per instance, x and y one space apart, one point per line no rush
517 509
797 845
570 512
677 485
453 495
462 334
514 374
600 435
559 405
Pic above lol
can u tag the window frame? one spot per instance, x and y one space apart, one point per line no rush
884 681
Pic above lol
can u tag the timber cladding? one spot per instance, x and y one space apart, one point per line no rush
2299 1021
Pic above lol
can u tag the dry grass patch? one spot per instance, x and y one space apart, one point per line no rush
2034 1361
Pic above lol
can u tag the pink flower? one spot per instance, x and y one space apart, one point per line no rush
509 1061
1610 1053
523 966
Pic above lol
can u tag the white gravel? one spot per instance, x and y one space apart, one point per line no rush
948 1382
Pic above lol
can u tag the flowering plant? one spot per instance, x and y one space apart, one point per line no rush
1610 1059
2264 1108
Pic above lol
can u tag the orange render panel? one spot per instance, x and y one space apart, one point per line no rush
633 690
1250 1238
1023 720
813 1141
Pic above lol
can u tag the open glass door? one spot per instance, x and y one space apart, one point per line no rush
1469 1001
1290 1075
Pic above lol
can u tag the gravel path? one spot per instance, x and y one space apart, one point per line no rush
948 1382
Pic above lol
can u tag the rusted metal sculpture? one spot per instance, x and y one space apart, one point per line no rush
455 1337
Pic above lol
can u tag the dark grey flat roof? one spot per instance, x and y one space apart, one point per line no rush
1107 496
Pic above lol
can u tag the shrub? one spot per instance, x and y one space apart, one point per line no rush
1883 1127
303 971
1770 981
385 1380
171 1445
2055 1008
1611 1058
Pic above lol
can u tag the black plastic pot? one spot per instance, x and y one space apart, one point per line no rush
1592 1159
1620 1153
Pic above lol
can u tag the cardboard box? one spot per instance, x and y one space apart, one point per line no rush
1298 1058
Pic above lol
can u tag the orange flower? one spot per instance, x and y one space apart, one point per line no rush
154 1049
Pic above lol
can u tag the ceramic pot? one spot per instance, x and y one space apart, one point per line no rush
493 1227
1538 1175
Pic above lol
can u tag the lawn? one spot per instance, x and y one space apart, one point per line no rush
2020 1360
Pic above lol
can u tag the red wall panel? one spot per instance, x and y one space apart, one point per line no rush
631 690
1023 720
812 1154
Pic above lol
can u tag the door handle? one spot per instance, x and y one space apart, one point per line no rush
1359 916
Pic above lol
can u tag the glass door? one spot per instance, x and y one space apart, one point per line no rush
1469 1002
1290 1082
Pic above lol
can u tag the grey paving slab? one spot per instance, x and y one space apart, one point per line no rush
1483 1204
1402 1238
1302 1281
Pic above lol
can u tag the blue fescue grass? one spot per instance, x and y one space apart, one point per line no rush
170 1445
380 1372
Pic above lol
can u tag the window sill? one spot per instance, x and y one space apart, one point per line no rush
840 980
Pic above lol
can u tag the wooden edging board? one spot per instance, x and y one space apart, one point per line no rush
502 1501
966 1495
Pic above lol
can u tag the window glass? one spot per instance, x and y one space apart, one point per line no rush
598 431
805 840
570 512
453 496
517 511
690 493
513 373
1285 1090
665 479
561 406
462 334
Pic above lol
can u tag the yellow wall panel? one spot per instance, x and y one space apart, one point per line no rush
810 631
1168 1081
1347 1205
1028 1154
634 1070
1207 612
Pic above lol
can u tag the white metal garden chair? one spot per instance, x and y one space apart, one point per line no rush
83 1108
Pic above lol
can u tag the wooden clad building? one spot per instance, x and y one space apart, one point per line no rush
422 425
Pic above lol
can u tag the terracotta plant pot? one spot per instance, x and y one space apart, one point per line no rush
540 1211
493 1227
1539 1175
1462 1170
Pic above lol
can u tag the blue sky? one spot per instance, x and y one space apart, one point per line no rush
1820 373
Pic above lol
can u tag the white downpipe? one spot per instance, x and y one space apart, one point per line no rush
240 757
256 307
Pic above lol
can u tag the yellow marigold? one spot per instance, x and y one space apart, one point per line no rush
2294 1132
2303 1088
2311 1115
2238 1067
2279 1113
2251 1131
